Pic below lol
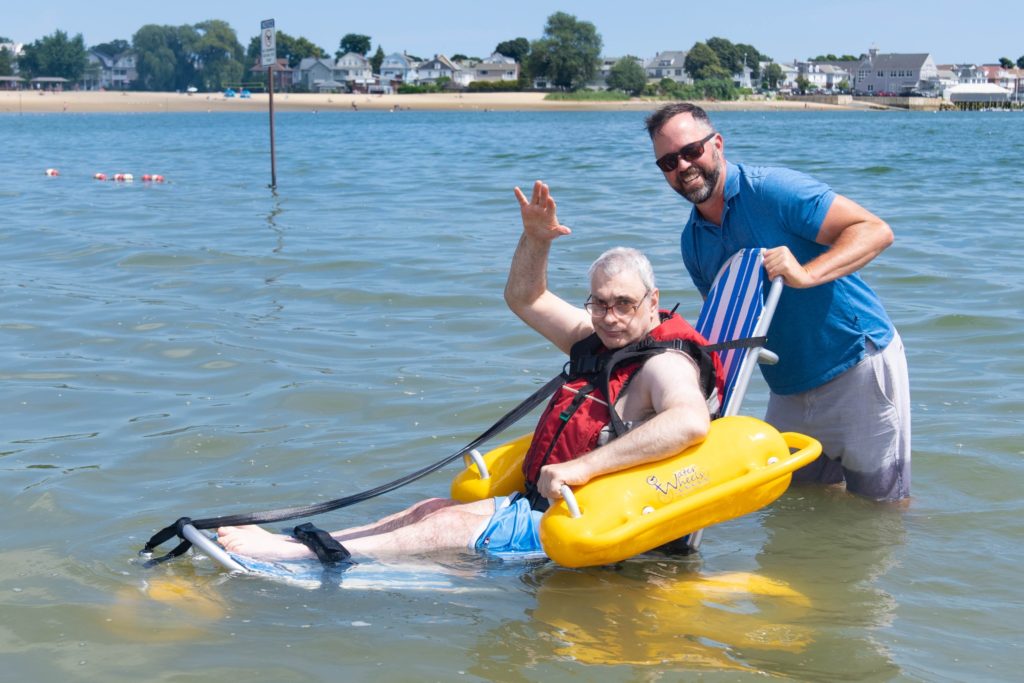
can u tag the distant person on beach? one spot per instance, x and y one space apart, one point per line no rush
660 398
842 371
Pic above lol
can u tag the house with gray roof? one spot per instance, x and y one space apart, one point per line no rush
398 68
826 75
109 72
668 64
314 71
604 68
430 71
355 70
497 67
896 73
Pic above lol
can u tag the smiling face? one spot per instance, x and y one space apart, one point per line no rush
700 179
627 289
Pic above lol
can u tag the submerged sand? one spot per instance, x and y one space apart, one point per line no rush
27 101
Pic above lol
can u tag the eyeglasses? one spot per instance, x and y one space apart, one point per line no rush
622 307
688 153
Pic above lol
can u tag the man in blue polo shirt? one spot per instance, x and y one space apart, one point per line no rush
842 371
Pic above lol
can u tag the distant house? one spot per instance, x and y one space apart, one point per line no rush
432 70
497 67
896 73
790 72
668 64
355 70
600 79
109 73
826 75
969 73
312 72
398 68
1001 76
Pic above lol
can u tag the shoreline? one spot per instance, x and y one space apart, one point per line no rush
113 102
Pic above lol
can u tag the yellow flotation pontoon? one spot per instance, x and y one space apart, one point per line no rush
742 465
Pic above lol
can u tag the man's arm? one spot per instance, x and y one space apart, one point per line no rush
854 236
681 420
526 291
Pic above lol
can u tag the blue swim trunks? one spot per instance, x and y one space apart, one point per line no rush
514 528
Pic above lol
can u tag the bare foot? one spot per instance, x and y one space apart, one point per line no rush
257 543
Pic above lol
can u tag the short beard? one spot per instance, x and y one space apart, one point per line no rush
710 178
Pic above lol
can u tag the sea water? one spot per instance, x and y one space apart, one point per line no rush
209 346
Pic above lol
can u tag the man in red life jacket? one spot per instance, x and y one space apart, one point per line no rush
659 393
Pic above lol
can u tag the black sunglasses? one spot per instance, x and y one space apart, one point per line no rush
688 153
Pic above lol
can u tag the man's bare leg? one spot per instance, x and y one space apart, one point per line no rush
431 525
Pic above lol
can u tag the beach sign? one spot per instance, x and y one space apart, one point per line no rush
268 43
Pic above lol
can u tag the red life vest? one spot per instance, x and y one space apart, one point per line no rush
596 376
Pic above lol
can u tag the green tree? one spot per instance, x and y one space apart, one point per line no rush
165 57
702 64
353 42
773 76
218 55
55 55
1006 62
728 56
749 55
6 59
627 75
287 47
517 48
377 59
568 53
113 48
843 85
802 84
1020 62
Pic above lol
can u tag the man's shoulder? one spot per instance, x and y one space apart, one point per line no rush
773 178
672 365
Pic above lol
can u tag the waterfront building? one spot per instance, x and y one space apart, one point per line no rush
668 64
895 74
108 72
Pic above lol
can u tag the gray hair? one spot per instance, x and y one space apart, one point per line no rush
656 121
624 260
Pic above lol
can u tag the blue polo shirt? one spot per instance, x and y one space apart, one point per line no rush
818 333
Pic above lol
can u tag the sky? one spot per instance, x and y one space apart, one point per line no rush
796 29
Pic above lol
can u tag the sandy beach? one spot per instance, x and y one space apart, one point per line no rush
30 102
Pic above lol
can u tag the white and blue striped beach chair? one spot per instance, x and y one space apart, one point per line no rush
737 308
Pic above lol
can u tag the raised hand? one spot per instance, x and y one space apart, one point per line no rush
540 216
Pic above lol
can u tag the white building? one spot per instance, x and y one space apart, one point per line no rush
109 73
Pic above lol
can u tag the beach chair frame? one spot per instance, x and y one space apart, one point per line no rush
737 308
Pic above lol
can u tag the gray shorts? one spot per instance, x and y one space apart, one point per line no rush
862 418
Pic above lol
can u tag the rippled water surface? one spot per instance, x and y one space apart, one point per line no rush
207 346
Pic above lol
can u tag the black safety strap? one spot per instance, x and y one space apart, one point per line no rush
323 544
744 343
282 514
